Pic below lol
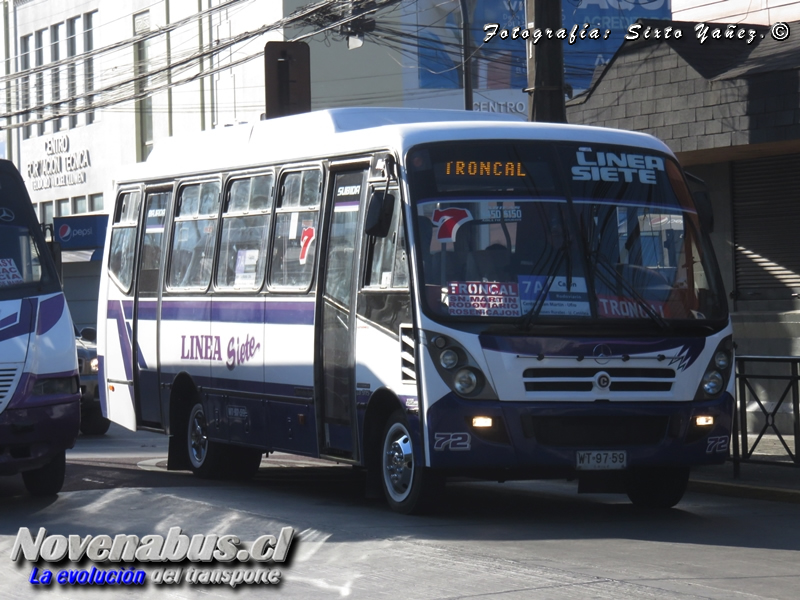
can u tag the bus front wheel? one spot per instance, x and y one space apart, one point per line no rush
47 480
409 487
661 487
205 456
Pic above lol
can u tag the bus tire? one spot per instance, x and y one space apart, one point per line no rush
47 480
93 422
409 487
206 457
660 488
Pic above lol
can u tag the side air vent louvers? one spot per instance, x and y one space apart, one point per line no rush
408 359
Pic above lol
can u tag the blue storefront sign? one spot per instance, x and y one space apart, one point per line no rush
81 232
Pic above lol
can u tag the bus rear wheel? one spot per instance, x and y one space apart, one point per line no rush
409 487
660 488
206 457
47 480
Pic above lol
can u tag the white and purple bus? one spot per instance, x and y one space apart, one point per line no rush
422 294
39 397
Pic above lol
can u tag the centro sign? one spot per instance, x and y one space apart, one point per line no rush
61 167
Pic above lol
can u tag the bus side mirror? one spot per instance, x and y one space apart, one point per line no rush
89 334
379 214
704 210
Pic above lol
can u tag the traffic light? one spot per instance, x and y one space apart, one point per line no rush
287 82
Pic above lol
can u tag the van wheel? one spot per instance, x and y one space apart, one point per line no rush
206 457
409 487
93 422
660 488
47 480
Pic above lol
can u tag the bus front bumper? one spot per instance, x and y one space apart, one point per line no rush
31 437
546 438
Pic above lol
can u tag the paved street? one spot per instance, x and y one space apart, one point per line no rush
517 540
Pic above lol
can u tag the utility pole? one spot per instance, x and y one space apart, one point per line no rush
545 64
466 55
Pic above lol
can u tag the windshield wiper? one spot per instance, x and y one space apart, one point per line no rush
651 312
561 256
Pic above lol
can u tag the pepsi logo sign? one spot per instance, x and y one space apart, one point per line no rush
66 233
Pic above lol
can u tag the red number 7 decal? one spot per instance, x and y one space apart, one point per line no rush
305 241
449 220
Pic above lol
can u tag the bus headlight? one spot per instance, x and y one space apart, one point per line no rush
457 367
719 371
713 383
448 359
94 365
465 382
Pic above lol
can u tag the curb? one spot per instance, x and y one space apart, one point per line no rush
745 491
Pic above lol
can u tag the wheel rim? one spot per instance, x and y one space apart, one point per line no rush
198 436
398 462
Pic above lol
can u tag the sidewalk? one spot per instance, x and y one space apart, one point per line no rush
760 481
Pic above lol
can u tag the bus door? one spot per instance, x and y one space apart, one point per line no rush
337 397
119 348
146 308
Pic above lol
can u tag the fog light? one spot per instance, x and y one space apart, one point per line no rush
704 421
481 421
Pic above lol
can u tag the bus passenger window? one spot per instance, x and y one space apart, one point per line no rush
245 233
123 239
194 236
296 218
156 209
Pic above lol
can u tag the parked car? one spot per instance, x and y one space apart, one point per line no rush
92 420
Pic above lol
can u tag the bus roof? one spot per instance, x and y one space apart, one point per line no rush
344 131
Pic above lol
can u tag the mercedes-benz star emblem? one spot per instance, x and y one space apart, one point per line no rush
6 214
602 353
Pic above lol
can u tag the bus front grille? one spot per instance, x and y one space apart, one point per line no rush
582 379
595 432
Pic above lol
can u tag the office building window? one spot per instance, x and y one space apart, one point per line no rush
39 60
79 205
62 208
72 72
144 107
46 214
96 202
55 75
88 63
25 83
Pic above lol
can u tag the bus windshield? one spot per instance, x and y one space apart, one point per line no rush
19 257
543 232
